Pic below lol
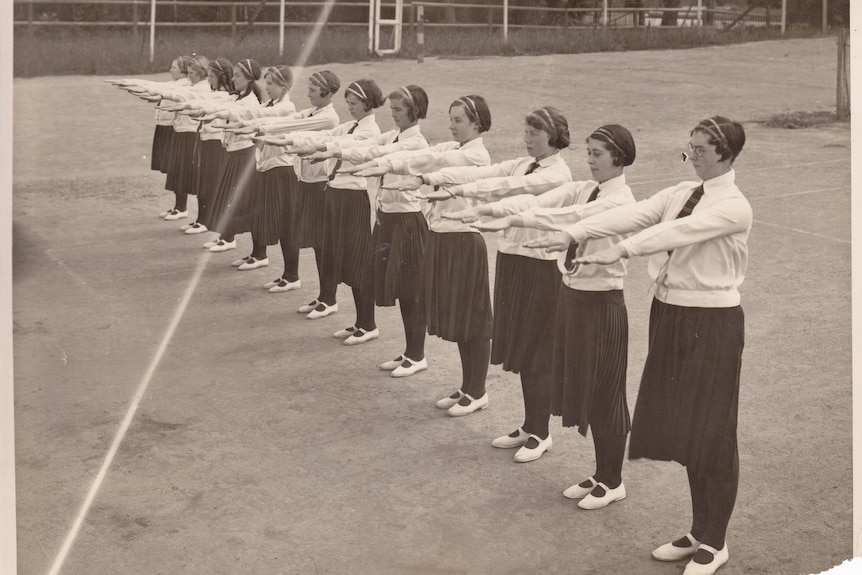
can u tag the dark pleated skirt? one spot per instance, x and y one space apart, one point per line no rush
525 293
211 158
347 247
228 215
162 140
687 404
303 212
267 201
590 343
456 291
181 169
399 248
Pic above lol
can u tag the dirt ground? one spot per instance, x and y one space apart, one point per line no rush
261 445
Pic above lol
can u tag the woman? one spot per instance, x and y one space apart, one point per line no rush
301 221
590 329
469 118
180 168
526 280
228 215
210 153
399 227
345 241
696 234
265 193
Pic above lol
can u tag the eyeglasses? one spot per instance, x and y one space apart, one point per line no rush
693 151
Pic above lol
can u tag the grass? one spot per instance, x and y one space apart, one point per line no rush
796 120
63 51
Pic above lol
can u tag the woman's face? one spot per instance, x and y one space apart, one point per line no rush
536 141
356 106
601 161
176 73
196 75
315 95
273 89
212 78
240 82
400 113
463 130
705 159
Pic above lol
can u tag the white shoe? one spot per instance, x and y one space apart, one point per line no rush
611 495
210 244
322 310
458 410
239 262
451 400
509 441
390 365
578 492
308 307
346 332
223 246
164 213
671 552
184 227
526 454
361 336
253 264
196 229
719 558
284 286
409 367
176 215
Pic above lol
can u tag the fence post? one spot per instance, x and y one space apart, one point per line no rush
843 95
233 19
30 17
135 22
420 33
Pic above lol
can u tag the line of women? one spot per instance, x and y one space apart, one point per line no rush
400 221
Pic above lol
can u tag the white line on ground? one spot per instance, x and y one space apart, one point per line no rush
839 240
802 193
127 420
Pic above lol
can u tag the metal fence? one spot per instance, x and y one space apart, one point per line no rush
265 13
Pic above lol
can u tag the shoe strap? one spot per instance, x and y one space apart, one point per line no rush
709 548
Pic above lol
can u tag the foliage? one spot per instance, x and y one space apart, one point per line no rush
70 50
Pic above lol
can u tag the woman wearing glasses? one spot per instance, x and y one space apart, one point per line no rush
696 235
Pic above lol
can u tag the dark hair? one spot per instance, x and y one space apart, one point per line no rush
619 142
727 136
552 121
224 72
281 75
368 92
184 64
198 64
251 71
415 98
327 81
476 109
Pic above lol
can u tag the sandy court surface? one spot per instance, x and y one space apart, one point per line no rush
263 446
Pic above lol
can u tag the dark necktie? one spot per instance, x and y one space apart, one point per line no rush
690 203
573 247
532 168
339 162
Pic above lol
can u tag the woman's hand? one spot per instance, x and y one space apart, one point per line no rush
467 216
372 172
306 149
604 257
405 184
320 156
556 242
440 195
492 225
